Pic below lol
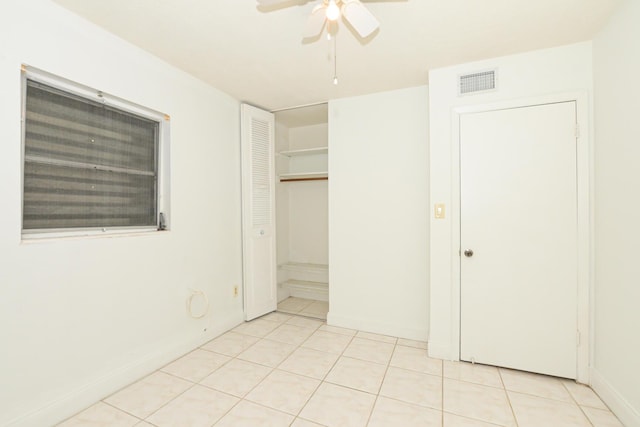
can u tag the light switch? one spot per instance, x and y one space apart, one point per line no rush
439 210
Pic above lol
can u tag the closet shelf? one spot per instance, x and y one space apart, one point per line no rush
305 152
308 176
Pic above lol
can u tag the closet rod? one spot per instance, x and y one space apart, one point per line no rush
304 179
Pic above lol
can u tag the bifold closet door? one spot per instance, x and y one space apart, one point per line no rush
258 210
519 238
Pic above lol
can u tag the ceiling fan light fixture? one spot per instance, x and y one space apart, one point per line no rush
333 11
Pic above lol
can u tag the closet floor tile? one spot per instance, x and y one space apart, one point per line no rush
304 307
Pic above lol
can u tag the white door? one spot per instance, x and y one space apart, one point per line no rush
258 222
518 217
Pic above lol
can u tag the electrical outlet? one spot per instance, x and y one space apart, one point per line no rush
235 290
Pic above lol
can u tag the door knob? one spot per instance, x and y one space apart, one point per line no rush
468 253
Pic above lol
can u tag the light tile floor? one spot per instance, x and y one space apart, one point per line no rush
284 370
304 307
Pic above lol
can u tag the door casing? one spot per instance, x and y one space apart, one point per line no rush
584 164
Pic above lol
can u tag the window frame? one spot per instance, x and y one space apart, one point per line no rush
94 95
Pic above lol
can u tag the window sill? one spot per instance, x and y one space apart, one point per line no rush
36 237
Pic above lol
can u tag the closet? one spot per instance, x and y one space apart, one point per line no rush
302 247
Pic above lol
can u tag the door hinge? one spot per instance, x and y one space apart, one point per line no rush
577 130
577 338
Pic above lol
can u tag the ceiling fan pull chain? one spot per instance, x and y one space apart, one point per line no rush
335 60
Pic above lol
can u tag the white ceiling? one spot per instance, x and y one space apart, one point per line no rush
257 54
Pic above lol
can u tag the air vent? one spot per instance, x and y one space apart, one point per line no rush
477 82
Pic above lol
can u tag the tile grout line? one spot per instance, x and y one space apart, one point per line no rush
192 386
300 312
504 387
159 370
94 404
242 398
273 369
377 395
441 392
323 380
166 403
577 404
466 417
551 399
320 382
478 383
112 406
342 355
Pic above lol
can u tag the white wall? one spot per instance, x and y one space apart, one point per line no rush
616 376
309 222
378 213
524 76
81 318
312 136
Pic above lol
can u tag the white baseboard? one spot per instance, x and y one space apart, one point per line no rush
627 414
76 400
377 327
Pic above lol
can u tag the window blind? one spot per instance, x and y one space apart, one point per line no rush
86 164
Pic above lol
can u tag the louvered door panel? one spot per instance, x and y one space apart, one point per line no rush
258 201
262 168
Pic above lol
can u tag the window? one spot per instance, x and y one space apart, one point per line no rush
91 162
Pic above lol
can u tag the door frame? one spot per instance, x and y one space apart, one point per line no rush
585 209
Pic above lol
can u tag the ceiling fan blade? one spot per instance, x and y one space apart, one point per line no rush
359 17
316 22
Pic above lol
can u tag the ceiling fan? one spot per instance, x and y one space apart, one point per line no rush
327 11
